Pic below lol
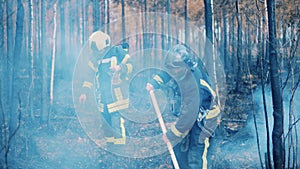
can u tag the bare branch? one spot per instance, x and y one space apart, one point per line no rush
295 88
15 132
291 127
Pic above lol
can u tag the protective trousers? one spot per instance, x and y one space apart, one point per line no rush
115 132
190 152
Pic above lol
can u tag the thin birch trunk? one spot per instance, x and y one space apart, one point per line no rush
45 96
31 56
53 55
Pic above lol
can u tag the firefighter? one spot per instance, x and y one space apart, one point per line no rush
113 69
198 117
97 44
110 66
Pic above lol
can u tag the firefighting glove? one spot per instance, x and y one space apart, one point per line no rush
208 129
205 133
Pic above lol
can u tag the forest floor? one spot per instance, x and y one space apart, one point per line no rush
65 145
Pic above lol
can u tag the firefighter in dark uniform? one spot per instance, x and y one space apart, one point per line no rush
113 69
198 118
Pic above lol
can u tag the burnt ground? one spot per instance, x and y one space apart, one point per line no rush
63 144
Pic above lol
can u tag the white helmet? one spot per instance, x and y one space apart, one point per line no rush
99 40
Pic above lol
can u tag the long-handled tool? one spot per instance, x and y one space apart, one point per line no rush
163 128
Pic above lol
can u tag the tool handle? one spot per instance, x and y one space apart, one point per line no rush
163 128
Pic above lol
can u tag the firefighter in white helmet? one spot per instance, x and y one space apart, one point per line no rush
98 42
110 68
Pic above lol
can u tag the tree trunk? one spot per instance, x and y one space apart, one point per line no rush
278 132
123 22
209 37
186 26
225 40
102 14
9 66
249 46
71 22
169 24
31 57
16 64
87 15
96 14
232 42
208 20
239 47
2 48
64 60
107 17
144 25
53 56
163 36
2 33
45 96
83 18
3 71
155 30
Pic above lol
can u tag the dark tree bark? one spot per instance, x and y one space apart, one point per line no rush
16 66
2 31
232 42
249 46
208 20
107 17
96 15
186 19
102 14
209 37
3 58
225 40
123 22
3 53
278 132
144 25
9 59
239 47
262 42
155 30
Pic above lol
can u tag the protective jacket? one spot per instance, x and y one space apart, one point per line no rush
203 111
109 82
110 96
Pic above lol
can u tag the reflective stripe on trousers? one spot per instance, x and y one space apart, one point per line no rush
196 155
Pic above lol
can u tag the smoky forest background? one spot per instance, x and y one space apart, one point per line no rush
257 42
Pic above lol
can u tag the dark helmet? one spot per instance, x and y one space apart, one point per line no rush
175 61
125 46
